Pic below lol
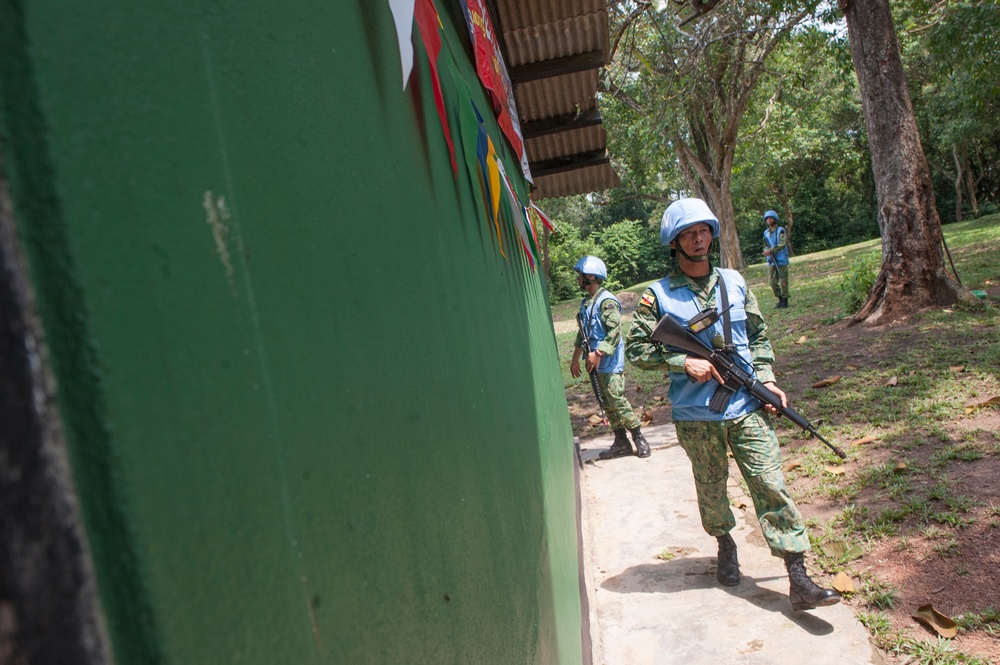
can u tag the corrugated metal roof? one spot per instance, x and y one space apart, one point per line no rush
578 181
550 147
549 97
554 51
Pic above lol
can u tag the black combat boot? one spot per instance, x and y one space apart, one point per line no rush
728 571
619 448
784 303
641 445
803 592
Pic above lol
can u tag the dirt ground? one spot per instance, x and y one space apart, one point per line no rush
954 567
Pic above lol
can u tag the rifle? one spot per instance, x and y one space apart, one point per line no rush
670 332
594 383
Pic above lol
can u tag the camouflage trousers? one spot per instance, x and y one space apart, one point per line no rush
755 449
779 280
616 407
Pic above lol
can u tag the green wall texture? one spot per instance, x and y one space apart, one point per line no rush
313 415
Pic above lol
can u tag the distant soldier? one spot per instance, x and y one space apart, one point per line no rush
743 427
776 252
601 335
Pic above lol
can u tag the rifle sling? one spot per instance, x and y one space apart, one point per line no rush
726 322
724 392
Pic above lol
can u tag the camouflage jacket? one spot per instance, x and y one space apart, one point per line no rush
647 354
611 319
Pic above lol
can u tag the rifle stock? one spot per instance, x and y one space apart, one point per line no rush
671 333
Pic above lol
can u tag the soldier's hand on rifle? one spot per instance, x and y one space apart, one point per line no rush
700 370
773 387
593 360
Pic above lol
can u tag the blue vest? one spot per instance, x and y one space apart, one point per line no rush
779 258
689 400
594 329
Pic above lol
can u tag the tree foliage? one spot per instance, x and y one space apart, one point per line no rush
802 146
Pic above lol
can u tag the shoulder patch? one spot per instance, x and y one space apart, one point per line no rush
647 299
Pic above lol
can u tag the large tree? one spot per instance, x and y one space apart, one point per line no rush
949 49
692 80
913 274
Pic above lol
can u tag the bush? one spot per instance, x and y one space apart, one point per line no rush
566 248
632 252
858 281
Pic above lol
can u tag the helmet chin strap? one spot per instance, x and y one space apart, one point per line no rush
587 280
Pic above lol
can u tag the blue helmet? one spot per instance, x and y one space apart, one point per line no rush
591 265
770 213
683 213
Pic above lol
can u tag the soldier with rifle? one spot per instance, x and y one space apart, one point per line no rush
714 409
600 336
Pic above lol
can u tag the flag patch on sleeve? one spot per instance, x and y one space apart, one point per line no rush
647 300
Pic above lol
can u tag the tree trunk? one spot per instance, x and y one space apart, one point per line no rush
787 209
913 273
959 179
970 184
712 186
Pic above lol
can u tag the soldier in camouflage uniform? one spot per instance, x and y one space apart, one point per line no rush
776 255
744 427
601 320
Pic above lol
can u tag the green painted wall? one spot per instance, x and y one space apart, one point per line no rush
314 416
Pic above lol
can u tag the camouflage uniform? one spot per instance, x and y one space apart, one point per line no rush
777 270
616 407
750 437
778 276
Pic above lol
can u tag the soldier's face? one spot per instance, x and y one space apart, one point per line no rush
696 240
771 221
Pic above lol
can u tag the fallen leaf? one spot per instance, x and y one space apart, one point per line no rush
802 340
843 583
865 439
647 418
791 465
900 466
947 311
595 420
995 400
828 381
740 504
835 470
841 549
939 623
892 382
957 369
658 398
850 367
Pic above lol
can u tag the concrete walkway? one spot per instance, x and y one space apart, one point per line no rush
650 611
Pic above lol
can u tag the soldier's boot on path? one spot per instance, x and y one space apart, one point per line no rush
784 303
803 592
641 445
728 572
619 448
